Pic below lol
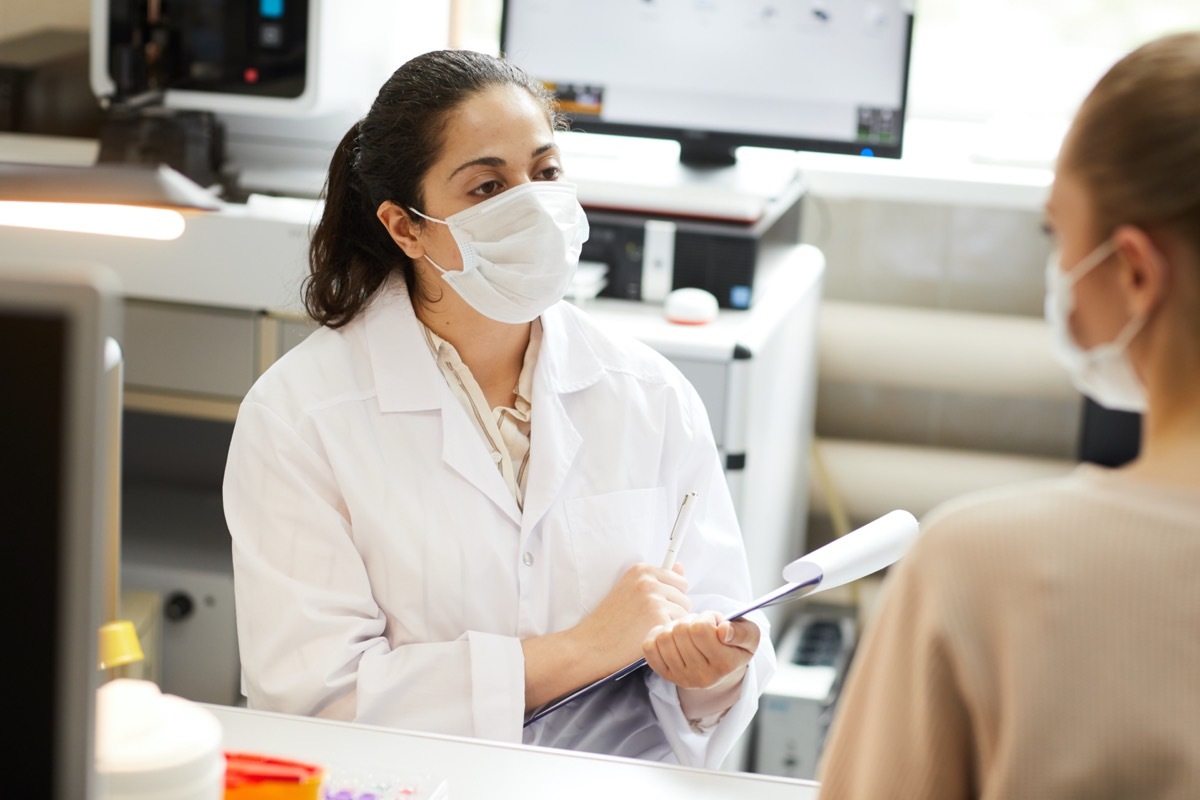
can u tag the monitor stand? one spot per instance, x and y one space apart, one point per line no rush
622 173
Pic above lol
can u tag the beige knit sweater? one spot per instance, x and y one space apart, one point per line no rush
1040 641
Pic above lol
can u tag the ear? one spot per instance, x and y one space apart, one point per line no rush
401 228
1146 275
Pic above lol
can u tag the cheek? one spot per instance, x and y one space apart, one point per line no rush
1099 311
439 243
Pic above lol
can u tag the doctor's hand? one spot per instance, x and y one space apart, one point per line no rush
645 597
702 651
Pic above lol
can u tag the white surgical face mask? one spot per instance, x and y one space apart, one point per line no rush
519 249
1103 373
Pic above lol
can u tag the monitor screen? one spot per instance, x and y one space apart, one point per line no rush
52 338
718 74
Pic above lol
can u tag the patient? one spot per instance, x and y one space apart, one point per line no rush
1043 641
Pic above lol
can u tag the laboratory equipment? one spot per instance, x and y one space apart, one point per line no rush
812 75
55 321
798 705
151 744
224 85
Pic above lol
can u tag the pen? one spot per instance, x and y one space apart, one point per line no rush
682 521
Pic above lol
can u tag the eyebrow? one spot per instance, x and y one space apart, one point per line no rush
496 161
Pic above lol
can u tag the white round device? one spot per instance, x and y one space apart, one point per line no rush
690 306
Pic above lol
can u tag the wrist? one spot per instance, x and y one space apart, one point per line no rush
699 704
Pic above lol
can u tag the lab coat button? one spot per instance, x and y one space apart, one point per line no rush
496 456
528 559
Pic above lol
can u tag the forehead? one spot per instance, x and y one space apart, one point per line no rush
493 120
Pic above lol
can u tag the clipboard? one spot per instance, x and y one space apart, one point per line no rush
854 555
789 591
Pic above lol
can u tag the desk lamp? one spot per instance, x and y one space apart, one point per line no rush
135 200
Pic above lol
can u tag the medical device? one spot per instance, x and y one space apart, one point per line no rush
798 705
715 75
258 90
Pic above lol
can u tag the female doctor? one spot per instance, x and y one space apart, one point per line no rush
449 505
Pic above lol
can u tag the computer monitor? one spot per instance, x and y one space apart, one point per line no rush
805 75
54 323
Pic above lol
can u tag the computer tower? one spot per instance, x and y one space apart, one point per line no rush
647 255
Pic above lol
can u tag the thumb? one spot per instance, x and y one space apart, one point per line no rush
740 633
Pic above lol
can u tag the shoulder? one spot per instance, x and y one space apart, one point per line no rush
1011 524
329 363
617 352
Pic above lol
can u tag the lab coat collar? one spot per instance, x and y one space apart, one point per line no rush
567 360
407 379
406 376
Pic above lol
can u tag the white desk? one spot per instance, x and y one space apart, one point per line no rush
478 770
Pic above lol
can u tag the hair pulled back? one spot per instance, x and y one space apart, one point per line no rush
1135 142
385 156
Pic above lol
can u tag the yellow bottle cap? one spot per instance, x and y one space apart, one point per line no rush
119 644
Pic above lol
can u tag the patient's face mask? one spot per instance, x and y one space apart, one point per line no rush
519 249
1103 373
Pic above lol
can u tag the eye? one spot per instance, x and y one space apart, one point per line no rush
550 172
1047 228
488 188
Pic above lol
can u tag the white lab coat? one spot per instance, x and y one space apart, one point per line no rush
384 573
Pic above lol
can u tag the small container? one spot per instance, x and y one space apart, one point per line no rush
155 746
251 776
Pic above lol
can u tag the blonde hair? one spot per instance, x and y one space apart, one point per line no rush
1135 142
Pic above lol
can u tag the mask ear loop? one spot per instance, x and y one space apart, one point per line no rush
426 216
1134 326
425 256
1094 259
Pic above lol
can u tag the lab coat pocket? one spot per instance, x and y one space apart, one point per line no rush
612 532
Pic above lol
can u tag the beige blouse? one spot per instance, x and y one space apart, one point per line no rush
1039 641
505 430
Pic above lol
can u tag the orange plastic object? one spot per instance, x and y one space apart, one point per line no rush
249 776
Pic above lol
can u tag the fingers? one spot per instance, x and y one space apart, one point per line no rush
690 652
673 577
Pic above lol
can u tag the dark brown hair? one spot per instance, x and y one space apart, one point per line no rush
1135 142
385 156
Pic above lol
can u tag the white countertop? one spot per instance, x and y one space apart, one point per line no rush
479 770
